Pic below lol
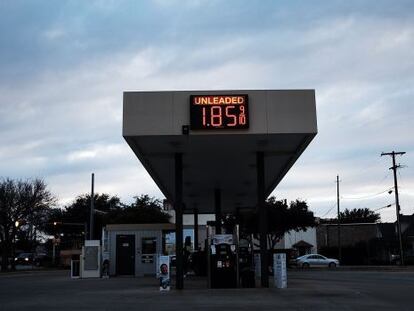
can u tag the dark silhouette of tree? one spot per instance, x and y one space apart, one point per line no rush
281 218
71 222
24 206
356 215
359 215
143 210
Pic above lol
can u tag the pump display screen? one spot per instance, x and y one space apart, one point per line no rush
219 112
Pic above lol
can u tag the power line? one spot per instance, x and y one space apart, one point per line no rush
371 195
368 196
372 165
330 209
383 179
389 205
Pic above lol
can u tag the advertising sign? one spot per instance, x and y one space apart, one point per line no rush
222 239
279 270
147 258
164 272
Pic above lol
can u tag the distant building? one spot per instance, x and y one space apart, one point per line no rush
351 234
407 232
302 241
367 243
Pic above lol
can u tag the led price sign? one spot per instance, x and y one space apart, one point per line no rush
219 112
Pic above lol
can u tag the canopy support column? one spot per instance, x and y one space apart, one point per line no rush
178 206
217 208
261 204
195 229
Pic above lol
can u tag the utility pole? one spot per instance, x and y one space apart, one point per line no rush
397 200
339 219
92 212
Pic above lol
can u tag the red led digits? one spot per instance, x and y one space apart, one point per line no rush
204 116
219 112
242 116
216 117
231 116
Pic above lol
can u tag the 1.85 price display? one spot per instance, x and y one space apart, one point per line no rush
219 112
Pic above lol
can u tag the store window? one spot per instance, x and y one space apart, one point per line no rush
149 245
169 240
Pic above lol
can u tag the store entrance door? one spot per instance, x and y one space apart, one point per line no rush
125 254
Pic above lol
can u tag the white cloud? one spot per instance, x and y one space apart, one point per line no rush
64 124
98 152
181 3
54 34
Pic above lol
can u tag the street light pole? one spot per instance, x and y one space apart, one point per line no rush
16 227
54 251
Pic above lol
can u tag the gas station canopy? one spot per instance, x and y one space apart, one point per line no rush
219 134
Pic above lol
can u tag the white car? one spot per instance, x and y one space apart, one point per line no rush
315 260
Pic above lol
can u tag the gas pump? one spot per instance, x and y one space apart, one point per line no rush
223 261
229 259
246 266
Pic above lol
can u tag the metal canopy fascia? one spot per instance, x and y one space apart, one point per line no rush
224 160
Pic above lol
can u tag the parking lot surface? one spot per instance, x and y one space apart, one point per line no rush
307 290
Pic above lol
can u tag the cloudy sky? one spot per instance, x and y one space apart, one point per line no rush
65 64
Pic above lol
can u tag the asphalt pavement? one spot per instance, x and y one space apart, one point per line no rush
307 290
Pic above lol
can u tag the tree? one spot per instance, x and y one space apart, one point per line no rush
24 205
281 219
359 215
71 223
143 210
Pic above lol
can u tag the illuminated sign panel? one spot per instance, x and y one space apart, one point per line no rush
219 112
